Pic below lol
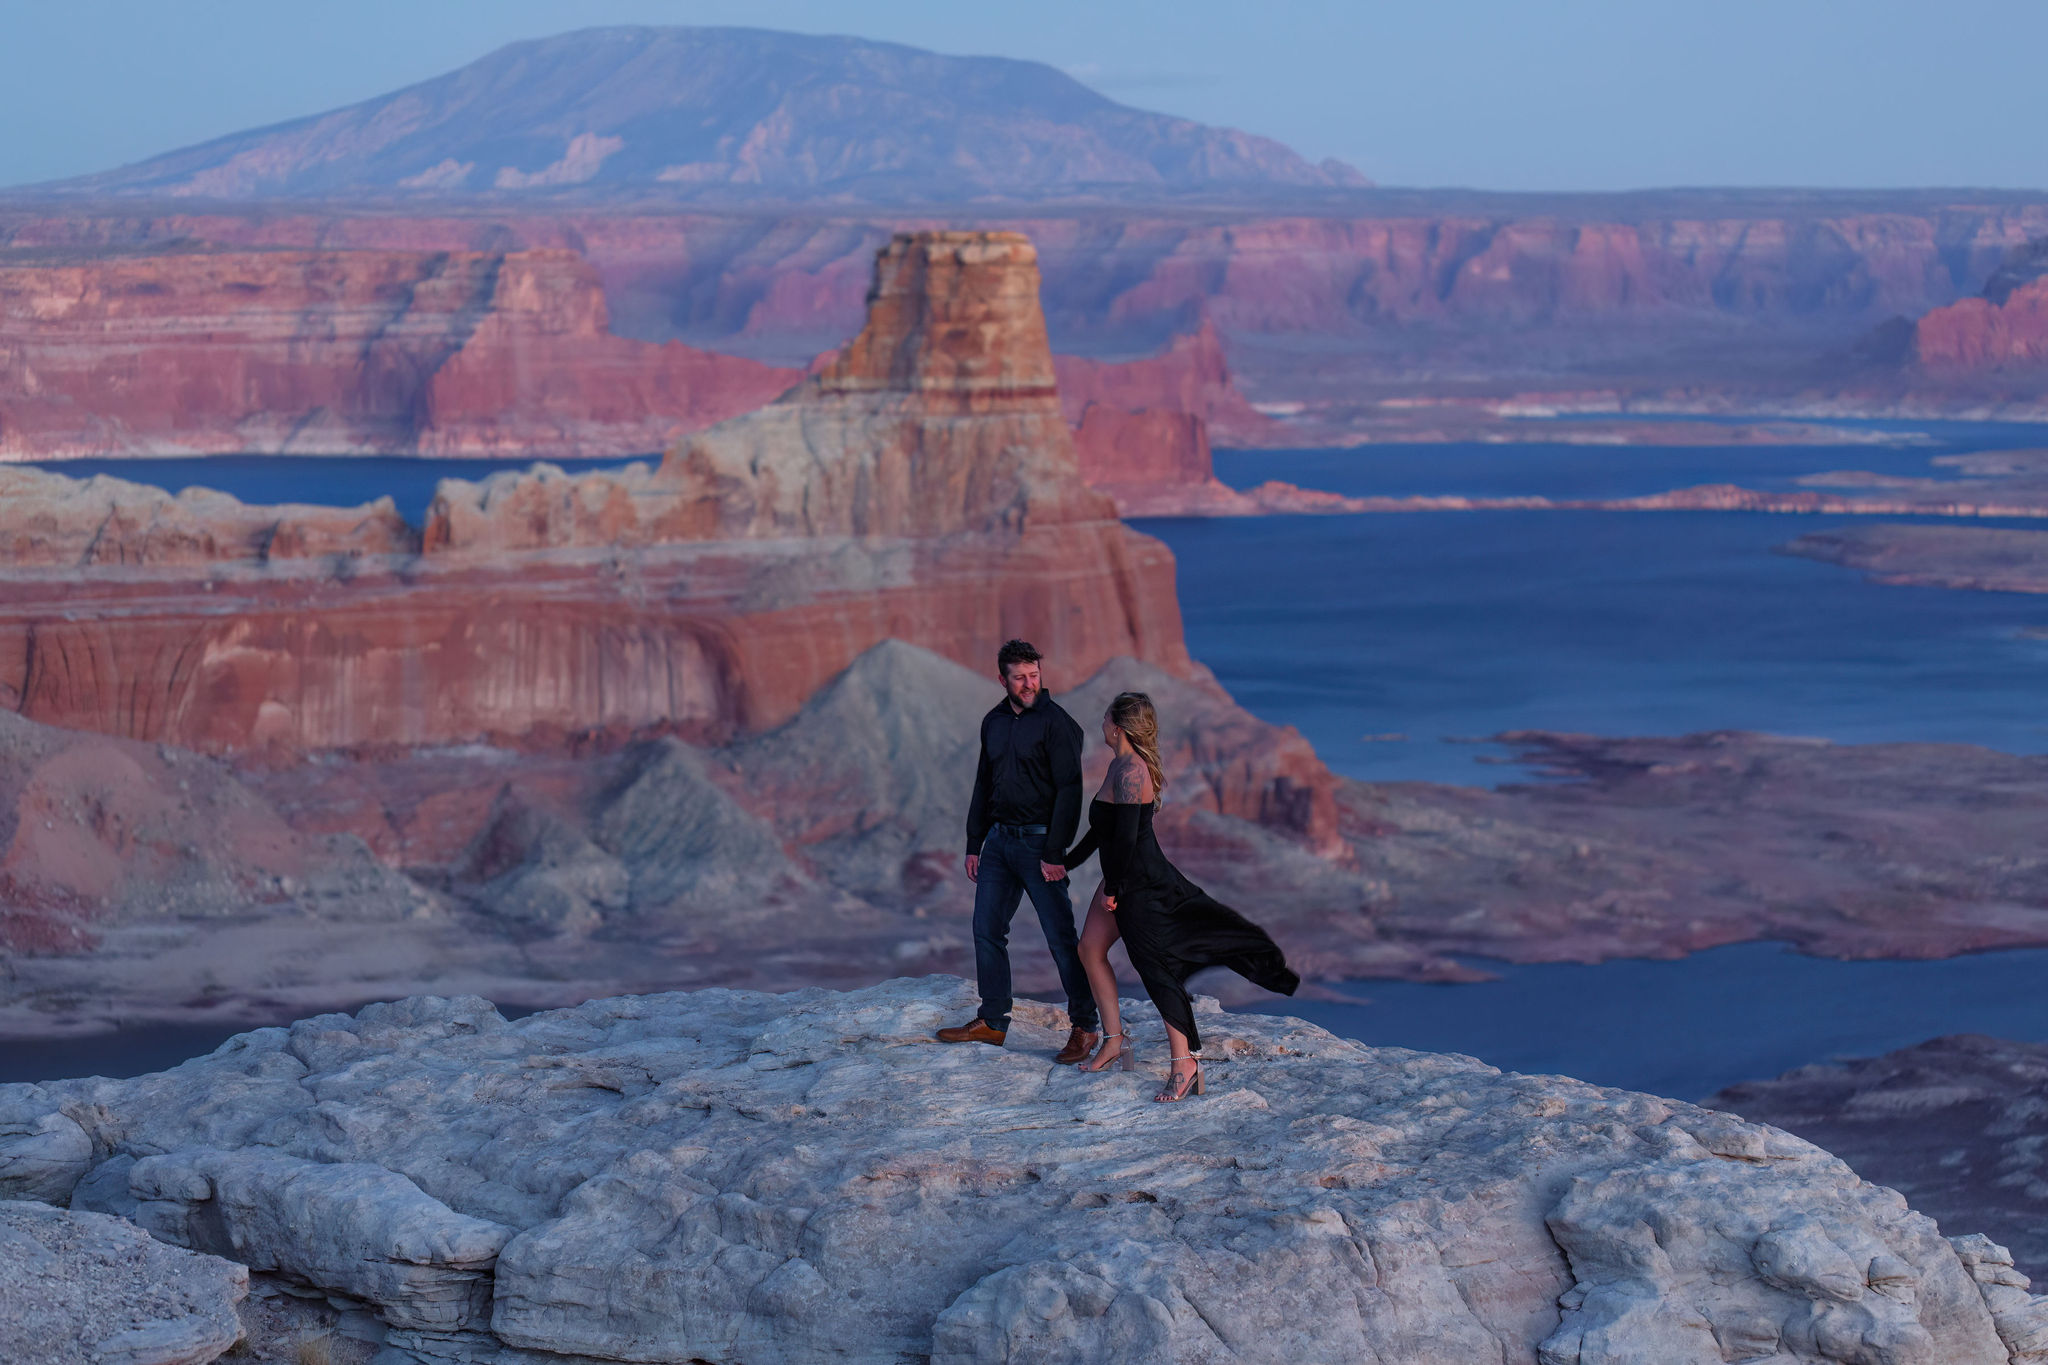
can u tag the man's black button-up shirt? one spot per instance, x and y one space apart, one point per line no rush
1029 774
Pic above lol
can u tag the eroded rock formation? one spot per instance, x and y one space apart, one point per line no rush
88 1289
1952 1124
925 489
729 1176
826 851
1426 316
190 350
102 832
56 522
823 851
941 417
1190 376
543 372
2003 328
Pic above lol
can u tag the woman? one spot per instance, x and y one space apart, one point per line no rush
1171 927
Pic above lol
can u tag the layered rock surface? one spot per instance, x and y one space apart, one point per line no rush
189 350
55 522
925 490
1953 1124
2005 327
729 1176
1447 316
89 1289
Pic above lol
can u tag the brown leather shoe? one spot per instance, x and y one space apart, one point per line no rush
976 1032
1080 1042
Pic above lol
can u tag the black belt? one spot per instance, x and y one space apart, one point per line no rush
1020 831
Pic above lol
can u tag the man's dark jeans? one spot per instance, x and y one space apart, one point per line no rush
1009 872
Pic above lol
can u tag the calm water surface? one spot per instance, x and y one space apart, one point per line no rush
1690 1027
1434 625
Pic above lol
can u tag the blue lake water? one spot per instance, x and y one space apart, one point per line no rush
1690 1027
1467 624
1435 625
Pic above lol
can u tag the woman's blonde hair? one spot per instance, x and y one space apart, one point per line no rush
1133 713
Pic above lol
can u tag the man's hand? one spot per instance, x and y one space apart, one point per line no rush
1109 904
1053 872
974 867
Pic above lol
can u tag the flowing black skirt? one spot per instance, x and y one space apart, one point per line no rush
1170 938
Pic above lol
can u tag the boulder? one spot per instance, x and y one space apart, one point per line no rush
87 1289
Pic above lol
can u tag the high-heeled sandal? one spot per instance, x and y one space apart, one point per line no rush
1179 1084
1122 1055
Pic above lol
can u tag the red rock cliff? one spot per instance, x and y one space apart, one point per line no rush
1190 376
940 418
925 490
1413 300
542 371
454 352
1977 335
1142 427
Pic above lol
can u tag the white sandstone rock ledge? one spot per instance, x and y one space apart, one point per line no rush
86 1289
727 1176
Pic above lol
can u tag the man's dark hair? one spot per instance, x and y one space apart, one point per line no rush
1015 652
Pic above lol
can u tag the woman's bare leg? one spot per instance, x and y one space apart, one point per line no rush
1097 935
1188 1064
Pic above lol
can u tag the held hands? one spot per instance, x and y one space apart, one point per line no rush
1052 872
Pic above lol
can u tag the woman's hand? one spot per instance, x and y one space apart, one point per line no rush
1109 904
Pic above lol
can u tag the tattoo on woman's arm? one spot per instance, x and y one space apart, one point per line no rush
1129 781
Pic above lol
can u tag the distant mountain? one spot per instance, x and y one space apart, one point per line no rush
729 114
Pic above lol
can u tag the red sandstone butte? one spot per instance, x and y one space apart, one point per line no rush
1142 428
542 371
1979 334
1190 376
1154 464
924 489
171 351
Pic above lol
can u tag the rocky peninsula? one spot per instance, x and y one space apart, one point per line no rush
732 1176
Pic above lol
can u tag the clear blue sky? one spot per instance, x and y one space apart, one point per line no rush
1497 94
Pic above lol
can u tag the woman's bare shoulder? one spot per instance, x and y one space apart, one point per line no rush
1128 780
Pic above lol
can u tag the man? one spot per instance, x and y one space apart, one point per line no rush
1026 806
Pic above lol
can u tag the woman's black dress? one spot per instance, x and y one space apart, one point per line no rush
1171 927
